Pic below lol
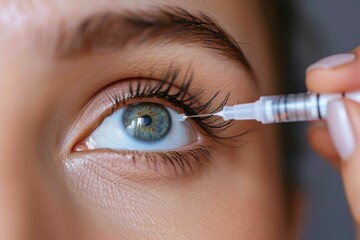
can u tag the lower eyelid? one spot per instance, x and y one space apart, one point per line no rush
137 165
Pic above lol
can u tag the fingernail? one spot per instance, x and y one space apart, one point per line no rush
340 128
333 61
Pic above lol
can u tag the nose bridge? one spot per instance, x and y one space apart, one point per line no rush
18 161
17 182
32 202
30 198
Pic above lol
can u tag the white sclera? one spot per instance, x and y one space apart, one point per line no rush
111 134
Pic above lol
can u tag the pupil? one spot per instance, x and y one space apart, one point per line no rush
146 120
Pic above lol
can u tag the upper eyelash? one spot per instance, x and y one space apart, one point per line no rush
212 126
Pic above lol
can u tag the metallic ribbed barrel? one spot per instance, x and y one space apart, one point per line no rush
295 107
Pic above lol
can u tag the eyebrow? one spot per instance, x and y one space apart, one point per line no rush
112 30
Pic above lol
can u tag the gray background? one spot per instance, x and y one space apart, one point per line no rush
321 28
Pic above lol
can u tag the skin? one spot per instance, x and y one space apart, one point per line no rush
49 192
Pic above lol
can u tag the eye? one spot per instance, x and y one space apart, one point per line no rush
145 126
138 120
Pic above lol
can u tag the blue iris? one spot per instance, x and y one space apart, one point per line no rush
147 122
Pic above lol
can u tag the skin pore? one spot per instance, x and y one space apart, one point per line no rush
61 60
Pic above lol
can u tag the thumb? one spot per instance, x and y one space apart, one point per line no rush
344 126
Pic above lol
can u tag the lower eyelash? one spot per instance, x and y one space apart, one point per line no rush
187 161
171 164
181 163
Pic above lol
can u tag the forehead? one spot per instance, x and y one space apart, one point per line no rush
17 13
38 21
30 28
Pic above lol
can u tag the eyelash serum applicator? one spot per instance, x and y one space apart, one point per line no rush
281 108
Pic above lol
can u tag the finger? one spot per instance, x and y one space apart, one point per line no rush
344 126
338 73
321 142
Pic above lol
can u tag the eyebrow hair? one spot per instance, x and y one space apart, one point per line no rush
111 30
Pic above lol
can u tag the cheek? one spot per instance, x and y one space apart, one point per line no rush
237 195
244 194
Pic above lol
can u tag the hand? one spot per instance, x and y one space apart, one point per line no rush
339 142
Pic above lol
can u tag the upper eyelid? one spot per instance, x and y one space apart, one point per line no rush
117 99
